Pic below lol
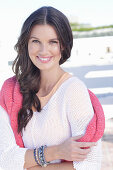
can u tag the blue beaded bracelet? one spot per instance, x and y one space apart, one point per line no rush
41 157
36 156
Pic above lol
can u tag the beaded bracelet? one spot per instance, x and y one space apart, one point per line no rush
41 157
36 156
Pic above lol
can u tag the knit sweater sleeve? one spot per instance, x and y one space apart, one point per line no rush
80 112
11 155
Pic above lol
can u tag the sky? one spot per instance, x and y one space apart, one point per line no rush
14 12
94 12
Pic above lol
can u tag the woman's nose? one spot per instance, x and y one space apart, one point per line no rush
44 49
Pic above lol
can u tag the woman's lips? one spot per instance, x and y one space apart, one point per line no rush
44 59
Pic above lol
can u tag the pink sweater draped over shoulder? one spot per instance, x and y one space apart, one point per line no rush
11 101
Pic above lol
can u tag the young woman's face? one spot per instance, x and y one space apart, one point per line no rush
44 47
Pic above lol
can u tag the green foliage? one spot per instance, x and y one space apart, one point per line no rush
83 27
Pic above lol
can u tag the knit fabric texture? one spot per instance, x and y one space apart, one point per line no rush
11 101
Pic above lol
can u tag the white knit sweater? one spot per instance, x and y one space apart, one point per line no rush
66 114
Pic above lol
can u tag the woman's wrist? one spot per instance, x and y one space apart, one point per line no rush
52 153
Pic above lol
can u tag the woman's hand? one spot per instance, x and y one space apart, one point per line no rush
71 150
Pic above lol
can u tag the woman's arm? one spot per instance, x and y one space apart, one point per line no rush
13 157
80 113
59 166
69 150
50 153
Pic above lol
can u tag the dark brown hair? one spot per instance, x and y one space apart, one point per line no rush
27 74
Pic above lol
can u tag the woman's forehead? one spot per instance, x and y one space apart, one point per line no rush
43 30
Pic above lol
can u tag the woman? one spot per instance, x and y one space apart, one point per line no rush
44 110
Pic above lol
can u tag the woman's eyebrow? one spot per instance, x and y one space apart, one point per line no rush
34 37
52 39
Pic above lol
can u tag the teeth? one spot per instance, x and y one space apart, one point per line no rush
44 59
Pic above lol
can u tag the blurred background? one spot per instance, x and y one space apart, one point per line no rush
92 54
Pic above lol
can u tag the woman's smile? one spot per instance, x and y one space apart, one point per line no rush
44 59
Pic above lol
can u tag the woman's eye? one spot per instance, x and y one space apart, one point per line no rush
35 41
53 42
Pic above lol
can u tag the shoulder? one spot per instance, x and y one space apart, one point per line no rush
76 90
10 81
9 84
8 88
10 92
74 84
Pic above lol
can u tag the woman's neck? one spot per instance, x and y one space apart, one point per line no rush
50 78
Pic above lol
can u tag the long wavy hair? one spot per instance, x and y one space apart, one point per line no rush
27 74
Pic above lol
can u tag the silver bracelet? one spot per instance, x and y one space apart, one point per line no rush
41 156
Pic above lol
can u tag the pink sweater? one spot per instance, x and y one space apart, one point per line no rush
11 101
